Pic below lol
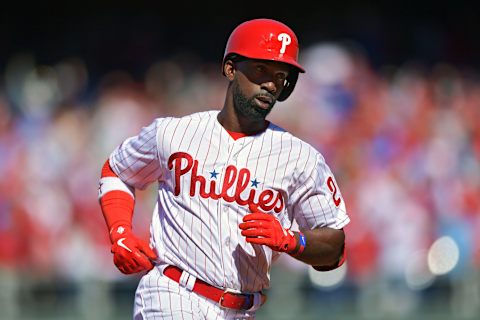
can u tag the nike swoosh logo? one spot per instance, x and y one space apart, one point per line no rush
121 244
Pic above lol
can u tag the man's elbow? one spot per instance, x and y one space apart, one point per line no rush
338 256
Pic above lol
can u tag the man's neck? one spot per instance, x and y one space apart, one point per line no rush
233 122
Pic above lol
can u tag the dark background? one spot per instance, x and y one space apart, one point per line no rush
131 35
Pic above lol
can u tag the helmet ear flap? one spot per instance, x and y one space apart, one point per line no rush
289 86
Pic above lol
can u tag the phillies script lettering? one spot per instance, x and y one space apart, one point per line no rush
234 179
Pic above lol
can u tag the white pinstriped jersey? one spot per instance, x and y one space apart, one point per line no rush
206 180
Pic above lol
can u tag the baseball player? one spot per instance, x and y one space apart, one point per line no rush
230 187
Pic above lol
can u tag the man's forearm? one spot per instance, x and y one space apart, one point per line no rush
324 246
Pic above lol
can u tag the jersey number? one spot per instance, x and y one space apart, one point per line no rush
333 189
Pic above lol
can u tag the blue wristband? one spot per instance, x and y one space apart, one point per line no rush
303 244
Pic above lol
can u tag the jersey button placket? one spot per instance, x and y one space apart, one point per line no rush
238 148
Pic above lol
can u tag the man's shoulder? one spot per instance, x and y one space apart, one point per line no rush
197 116
202 115
295 140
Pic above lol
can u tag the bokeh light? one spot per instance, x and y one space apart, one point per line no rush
328 280
443 255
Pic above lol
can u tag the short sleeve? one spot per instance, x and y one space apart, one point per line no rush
317 201
135 160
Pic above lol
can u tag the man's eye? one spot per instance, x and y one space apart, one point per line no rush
260 69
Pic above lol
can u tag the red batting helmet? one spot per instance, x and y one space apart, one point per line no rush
266 39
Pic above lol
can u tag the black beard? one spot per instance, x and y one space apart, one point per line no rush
248 107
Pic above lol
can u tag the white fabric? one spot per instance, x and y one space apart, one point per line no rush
206 180
158 297
187 281
107 184
190 282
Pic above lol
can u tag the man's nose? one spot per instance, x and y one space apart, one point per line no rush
270 86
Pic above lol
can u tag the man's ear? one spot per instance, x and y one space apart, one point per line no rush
229 69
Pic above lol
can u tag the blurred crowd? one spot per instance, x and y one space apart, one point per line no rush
403 142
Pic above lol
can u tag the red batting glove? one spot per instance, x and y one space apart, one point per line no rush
266 229
130 254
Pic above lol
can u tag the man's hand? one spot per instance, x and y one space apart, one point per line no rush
264 228
130 254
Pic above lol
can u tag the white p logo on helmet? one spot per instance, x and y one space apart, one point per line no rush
286 40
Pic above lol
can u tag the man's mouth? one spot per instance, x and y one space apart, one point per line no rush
264 101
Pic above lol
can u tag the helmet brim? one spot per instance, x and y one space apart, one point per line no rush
281 59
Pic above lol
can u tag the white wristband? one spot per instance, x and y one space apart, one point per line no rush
108 184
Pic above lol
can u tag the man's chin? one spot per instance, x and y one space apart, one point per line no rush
253 111
262 113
